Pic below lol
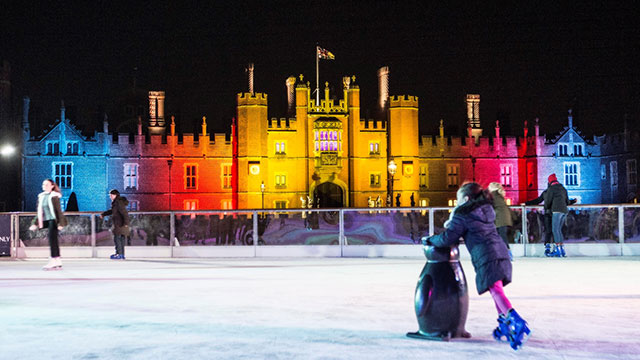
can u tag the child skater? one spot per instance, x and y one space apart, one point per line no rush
50 216
473 219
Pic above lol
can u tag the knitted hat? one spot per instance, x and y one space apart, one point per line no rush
552 178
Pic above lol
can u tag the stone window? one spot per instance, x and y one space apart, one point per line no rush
374 148
281 180
191 204
453 172
130 176
63 174
506 178
72 148
190 176
571 173
53 148
374 179
632 172
226 176
424 176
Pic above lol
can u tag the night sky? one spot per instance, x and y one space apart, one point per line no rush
526 60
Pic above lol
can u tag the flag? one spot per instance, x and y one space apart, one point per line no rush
324 54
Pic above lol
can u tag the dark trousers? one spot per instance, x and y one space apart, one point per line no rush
548 231
119 241
52 234
503 230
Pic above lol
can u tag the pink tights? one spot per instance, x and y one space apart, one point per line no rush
497 293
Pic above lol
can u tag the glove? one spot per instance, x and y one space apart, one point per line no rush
426 241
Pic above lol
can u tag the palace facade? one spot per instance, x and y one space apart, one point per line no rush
323 151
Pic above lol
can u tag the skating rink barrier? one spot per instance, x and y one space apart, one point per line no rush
590 230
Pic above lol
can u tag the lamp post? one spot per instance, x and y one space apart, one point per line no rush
262 191
169 164
392 171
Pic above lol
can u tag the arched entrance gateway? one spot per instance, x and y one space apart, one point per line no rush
329 195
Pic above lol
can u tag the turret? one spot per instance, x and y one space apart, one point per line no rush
291 95
250 77
156 112
473 115
383 91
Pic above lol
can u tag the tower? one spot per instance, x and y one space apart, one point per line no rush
252 146
403 144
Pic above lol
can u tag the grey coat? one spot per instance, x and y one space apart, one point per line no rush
503 213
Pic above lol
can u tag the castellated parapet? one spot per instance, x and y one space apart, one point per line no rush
403 101
286 124
252 99
455 146
372 124
156 145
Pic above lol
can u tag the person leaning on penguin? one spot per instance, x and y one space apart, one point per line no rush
473 219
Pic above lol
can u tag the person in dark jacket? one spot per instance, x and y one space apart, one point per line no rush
473 219
50 215
546 218
504 222
120 220
556 201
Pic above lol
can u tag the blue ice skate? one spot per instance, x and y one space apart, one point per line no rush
556 251
547 250
561 251
518 330
501 333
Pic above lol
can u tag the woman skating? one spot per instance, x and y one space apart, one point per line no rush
50 216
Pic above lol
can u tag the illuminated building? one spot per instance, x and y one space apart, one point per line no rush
324 150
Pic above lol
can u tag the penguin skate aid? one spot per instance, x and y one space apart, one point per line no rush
473 220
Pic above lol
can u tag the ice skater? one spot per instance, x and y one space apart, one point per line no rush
50 215
473 219
546 218
557 200
504 222
120 220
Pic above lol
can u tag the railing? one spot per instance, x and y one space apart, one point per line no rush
589 230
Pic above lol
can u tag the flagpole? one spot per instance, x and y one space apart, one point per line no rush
317 78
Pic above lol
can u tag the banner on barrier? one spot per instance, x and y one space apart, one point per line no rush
5 235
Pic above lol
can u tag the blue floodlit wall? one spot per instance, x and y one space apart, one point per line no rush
89 166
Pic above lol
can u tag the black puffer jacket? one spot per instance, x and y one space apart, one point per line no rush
556 198
489 254
119 216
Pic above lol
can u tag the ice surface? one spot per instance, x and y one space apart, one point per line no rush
578 308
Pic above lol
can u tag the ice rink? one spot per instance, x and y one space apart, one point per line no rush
329 308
